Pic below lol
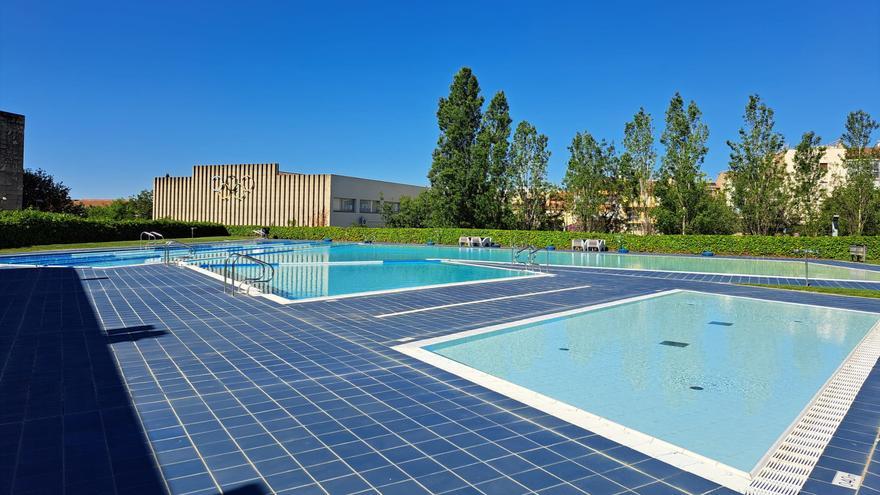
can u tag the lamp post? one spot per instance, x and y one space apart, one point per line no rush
192 232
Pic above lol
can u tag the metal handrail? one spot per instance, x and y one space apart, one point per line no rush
167 257
267 272
516 252
158 236
149 237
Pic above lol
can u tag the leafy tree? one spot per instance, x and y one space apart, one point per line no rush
41 191
528 158
715 217
858 197
136 207
638 143
455 179
413 212
806 182
492 156
680 187
757 171
586 180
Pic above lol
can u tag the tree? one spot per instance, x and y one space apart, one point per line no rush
806 182
492 156
638 144
680 187
40 191
757 171
858 197
715 217
413 212
136 207
528 158
454 178
586 180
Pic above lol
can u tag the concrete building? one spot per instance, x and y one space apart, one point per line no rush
11 160
262 195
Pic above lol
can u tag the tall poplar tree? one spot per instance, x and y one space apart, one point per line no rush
528 157
757 171
638 144
492 156
681 187
586 180
455 181
806 181
859 194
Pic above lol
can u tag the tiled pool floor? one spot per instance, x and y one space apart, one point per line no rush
144 379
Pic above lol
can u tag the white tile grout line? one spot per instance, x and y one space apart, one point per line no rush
480 301
790 464
772 474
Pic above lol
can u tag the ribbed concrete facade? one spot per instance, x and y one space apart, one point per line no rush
262 195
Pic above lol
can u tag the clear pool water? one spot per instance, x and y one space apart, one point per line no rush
309 280
757 364
151 254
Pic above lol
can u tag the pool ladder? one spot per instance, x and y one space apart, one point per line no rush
150 238
266 273
167 258
531 258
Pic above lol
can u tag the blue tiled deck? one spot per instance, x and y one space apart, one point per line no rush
148 379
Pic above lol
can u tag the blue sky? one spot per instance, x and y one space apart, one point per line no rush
118 92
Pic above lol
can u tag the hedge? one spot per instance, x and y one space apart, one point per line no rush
29 228
738 245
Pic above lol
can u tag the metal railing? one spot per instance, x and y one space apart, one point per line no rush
146 238
266 273
531 258
167 259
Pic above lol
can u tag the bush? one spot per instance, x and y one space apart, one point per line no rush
30 227
738 245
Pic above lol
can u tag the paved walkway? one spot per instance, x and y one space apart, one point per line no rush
144 379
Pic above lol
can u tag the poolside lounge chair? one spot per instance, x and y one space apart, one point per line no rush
477 241
577 244
464 241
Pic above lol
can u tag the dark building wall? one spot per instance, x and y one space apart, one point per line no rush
11 160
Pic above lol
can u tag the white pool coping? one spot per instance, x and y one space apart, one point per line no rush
254 290
753 482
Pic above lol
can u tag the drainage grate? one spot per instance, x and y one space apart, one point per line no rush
564 349
721 323
789 465
673 343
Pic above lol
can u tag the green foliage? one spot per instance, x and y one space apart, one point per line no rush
528 157
858 198
493 160
136 207
638 144
588 180
681 186
454 176
757 172
716 217
749 245
30 227
40 191
806 183
413 212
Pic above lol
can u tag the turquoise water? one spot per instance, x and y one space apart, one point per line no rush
301 281
756 374
151 254
744 266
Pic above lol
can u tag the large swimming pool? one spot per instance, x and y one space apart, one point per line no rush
720 376
325 252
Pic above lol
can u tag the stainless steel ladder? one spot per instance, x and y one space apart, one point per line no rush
166 258
530 260
266 274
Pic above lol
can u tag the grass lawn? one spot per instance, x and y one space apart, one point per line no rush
824 290
112 244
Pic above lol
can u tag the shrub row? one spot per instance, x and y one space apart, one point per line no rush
739 245
30 228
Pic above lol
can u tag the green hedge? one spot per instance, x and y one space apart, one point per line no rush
31 228
828 247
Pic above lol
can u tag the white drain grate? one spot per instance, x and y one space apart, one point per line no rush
789 466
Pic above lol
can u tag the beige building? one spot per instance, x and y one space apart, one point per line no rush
263 195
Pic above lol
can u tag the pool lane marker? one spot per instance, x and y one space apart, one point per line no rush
480 301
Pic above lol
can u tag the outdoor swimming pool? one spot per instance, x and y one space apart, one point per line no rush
719 376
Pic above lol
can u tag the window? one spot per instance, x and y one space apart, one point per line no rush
395 207
343 204
370 206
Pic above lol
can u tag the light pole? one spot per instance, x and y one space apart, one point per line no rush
192 232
